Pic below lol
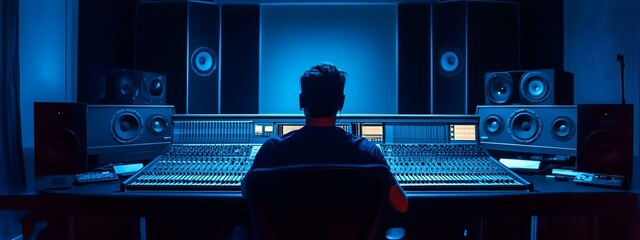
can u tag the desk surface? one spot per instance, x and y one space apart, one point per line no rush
549 197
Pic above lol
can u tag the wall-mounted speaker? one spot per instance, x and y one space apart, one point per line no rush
123 86
181 39
73 137
536 87
599 135
469 39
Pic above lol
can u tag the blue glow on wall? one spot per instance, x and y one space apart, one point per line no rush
359 39
594 34
43 42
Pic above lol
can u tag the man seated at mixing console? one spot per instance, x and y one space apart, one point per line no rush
320 141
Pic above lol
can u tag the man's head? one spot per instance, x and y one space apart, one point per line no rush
322 90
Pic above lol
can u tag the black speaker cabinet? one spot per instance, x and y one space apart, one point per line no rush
530 87
470 38
123 86
605 139
73 137
539 129
181 39
599 135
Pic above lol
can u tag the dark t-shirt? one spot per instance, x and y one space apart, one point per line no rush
318 145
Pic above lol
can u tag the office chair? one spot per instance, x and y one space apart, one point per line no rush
317 201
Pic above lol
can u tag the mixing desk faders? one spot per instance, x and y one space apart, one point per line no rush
196 167
424 152
440 166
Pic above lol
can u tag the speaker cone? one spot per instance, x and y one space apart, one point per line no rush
156 87
157 124
126 87
493 125
450 62
62 146
563 129
534 87
204 61
126 126
500 88
524 126
604 146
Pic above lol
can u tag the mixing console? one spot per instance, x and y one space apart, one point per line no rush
196 167
415 166
448 167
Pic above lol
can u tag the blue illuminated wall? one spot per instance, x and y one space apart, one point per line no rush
47 63
359 39
595 31
43 58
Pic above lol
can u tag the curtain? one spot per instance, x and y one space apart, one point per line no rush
12 177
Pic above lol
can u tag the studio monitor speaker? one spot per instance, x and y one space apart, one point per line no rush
535 87
72 137
540 129
605 139
123 86
599 135
181 39
470 38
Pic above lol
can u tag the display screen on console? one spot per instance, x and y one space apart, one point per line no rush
286 128
372 132
463 132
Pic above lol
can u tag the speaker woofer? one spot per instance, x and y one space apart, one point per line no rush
156 87
493 125
500 88
604 146
204 61
524 126
126 87
126 126
534 87
62 146
157 124
563 129
450 62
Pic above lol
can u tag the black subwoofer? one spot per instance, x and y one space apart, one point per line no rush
605 139
74 137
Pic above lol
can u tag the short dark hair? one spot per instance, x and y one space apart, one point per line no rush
322 89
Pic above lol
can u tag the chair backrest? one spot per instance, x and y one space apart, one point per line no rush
317 201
